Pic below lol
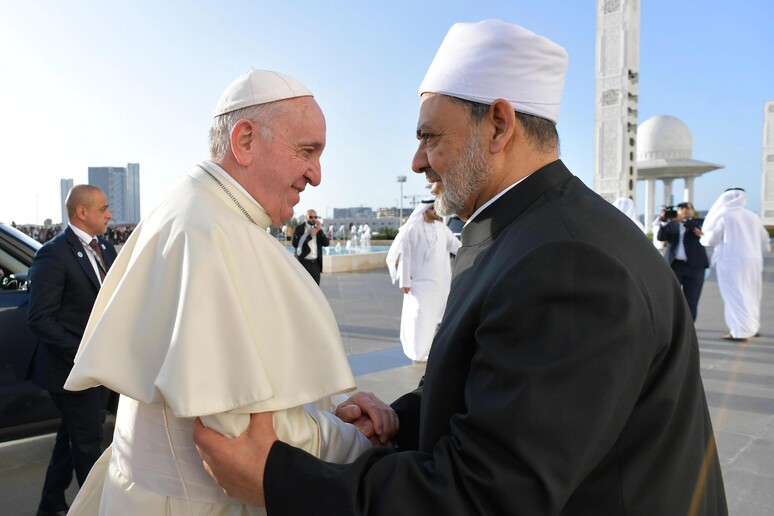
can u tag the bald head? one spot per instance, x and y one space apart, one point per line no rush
87 209
80 195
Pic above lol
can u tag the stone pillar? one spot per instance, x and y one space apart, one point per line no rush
688 190
617 79
767 173
650 199
667 198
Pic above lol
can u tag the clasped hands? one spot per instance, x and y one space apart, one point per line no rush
237 464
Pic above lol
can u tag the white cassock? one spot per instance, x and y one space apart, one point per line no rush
739 240
198 317
419 258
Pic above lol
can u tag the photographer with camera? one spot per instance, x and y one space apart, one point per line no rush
308 240
684 252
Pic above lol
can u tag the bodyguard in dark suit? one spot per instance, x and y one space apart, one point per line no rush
308 241
564 378
685 254
65 276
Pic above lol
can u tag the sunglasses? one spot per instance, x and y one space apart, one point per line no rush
313 217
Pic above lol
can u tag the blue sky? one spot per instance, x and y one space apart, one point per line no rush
106 83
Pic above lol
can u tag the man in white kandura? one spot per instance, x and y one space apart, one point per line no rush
419 260
626 206
198 316
739 240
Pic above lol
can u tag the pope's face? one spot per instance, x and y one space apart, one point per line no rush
450 155
288 161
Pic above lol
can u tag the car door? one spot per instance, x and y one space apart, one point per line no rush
24 408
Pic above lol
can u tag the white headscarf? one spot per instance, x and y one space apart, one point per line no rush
729 200
626 206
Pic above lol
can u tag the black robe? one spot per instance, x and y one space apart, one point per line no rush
564 380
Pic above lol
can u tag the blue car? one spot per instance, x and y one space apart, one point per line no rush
25 409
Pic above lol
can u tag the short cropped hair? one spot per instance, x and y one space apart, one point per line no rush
540 131
220 133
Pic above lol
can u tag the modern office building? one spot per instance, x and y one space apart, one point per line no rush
360 212
64 188
122 187
132 197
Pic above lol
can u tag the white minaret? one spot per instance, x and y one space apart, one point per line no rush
615 124
767 172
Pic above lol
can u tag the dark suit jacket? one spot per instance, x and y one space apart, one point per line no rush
564 380
63 287
694 251
322 241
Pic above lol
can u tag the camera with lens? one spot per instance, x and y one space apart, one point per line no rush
669 213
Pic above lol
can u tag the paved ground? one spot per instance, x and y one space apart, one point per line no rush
738 378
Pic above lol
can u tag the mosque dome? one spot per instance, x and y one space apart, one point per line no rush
663 137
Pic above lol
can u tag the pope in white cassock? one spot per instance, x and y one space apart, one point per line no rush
419 260
197 317
739 240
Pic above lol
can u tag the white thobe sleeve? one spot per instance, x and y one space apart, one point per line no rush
765 240
714 236
404 264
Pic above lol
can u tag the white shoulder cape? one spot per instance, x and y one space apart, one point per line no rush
206 311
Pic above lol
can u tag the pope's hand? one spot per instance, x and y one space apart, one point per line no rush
374 418
237 464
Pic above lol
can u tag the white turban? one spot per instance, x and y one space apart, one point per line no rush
259 87
492 59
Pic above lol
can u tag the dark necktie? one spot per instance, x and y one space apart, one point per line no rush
100 261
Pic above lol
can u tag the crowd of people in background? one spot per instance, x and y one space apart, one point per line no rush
115 234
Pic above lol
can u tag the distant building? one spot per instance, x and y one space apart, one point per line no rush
383 213
360 212
665 153
65 185
132 197
122 187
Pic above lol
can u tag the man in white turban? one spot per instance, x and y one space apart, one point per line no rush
418 260
197 317
739 240
564 378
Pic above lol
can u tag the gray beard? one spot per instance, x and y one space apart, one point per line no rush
466 176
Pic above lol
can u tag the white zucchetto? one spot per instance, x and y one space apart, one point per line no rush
492 59
259 87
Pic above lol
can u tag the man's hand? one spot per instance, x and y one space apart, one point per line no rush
374 418
237 464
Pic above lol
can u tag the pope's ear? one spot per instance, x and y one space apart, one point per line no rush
503 119
243 144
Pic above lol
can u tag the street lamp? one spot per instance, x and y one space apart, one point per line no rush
401 180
